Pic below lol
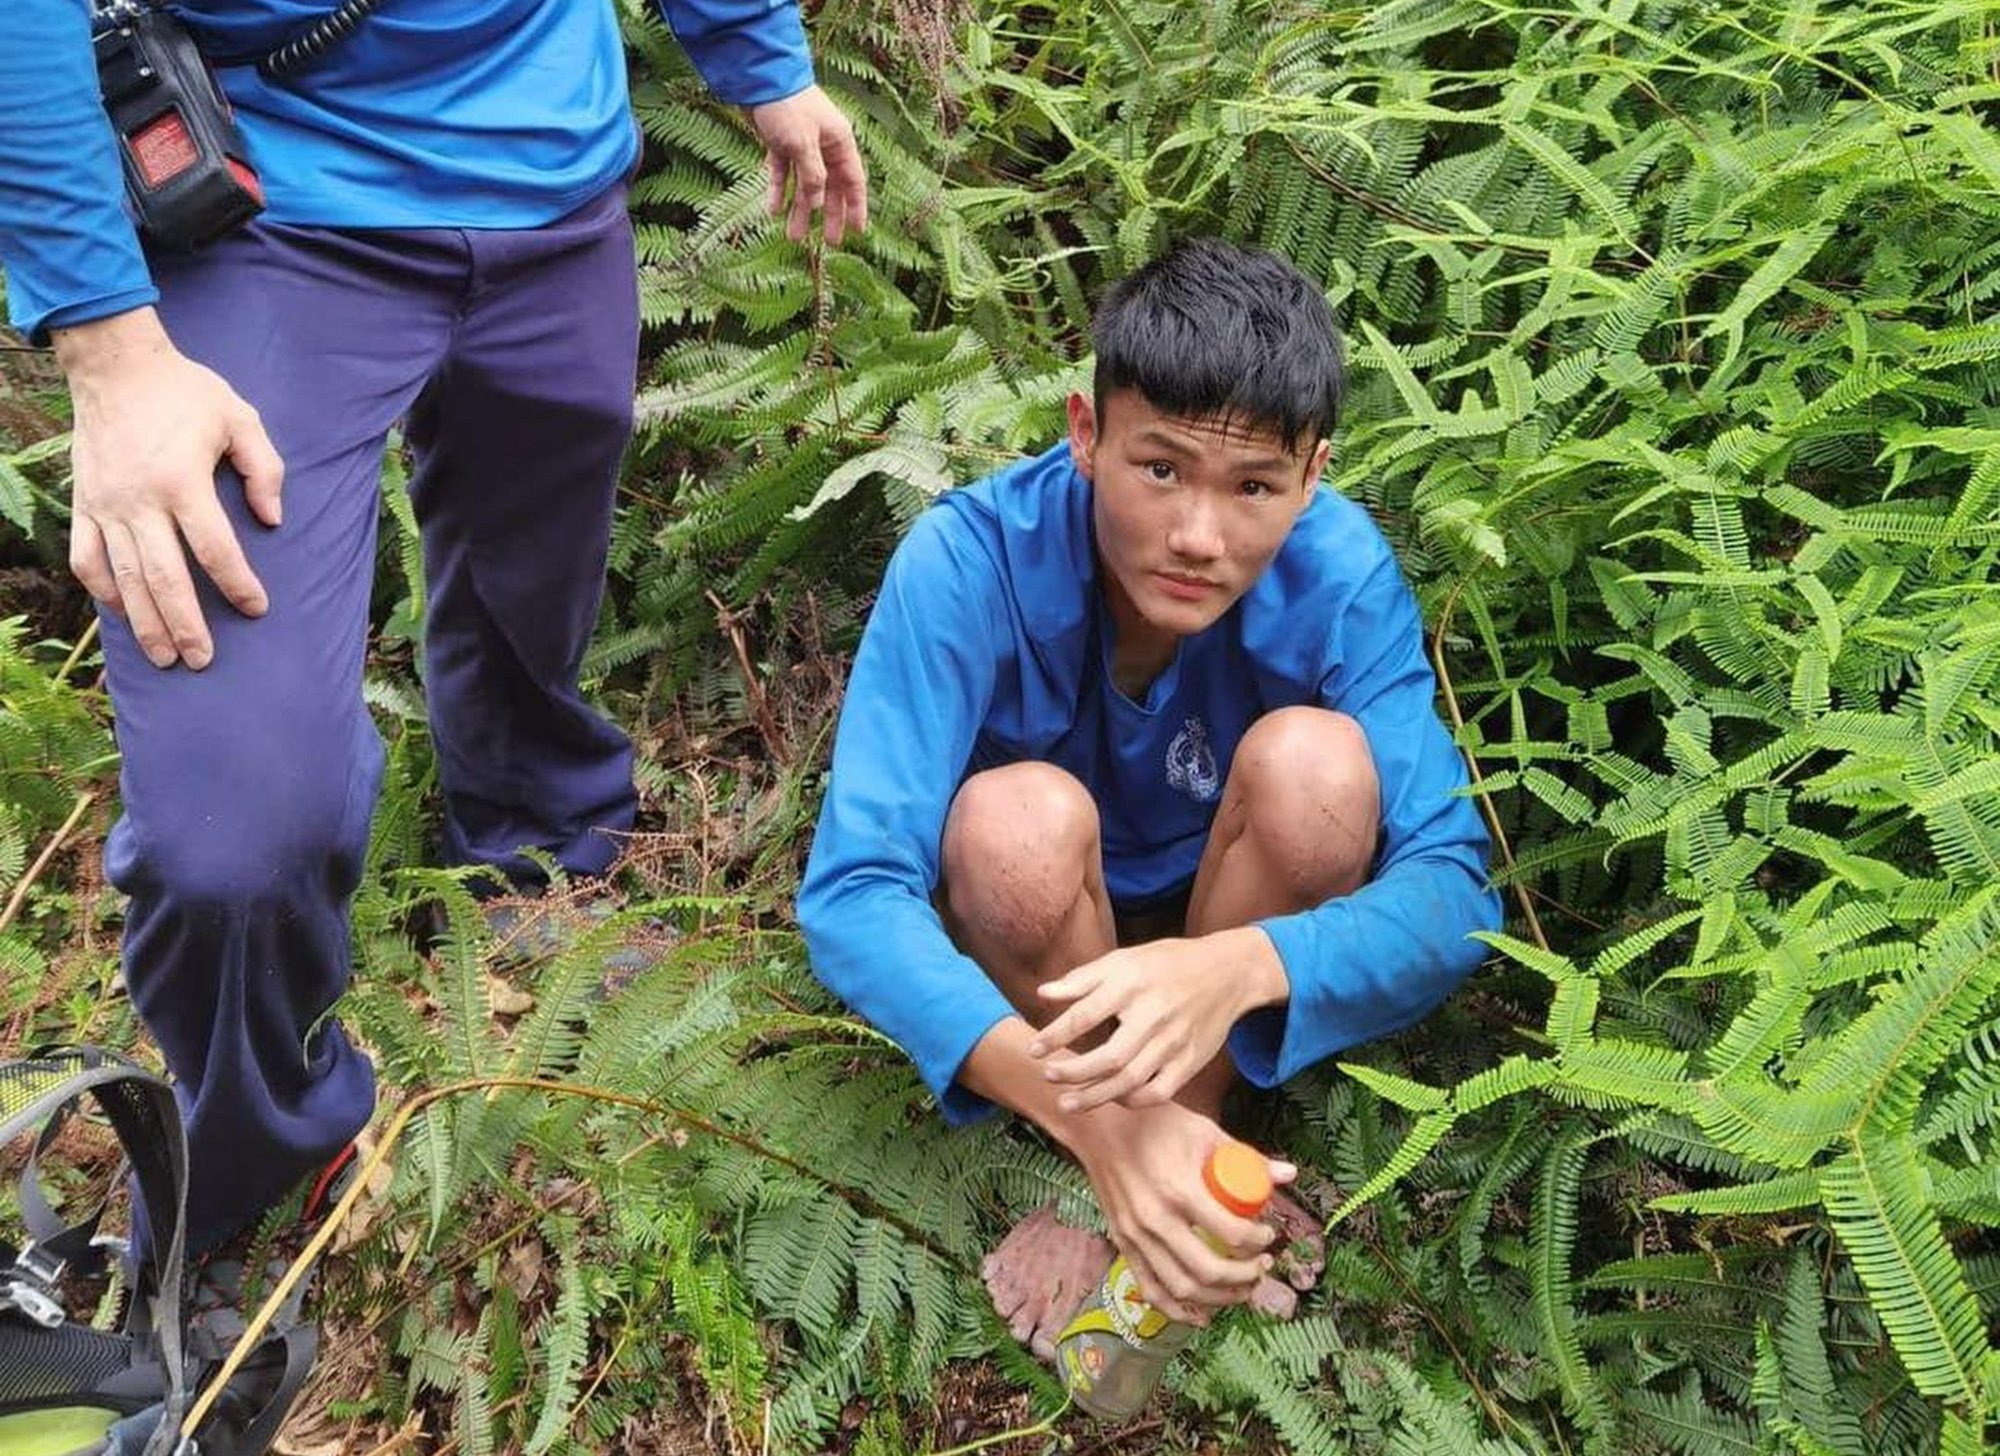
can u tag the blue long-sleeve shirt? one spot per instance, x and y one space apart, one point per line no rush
989 644
442 113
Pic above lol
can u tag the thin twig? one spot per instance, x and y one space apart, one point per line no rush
1478 779
412 1429
1382 207
610 1361
1039 1428
1501 1416
1567 909
1118 1437
20 895
76 653
512 1402
822 346
760 705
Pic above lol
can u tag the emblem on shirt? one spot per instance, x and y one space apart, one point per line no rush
1191 763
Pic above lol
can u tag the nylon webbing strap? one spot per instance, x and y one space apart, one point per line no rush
75 1245
141 1109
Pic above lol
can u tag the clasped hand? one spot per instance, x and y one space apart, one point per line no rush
1173 1001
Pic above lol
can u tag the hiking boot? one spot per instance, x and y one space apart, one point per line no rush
224 1289
530 929
229 1283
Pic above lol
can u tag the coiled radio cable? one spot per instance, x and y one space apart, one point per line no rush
316 40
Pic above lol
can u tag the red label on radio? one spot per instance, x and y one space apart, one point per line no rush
163 149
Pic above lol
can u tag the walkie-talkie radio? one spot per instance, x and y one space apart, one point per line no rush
187 174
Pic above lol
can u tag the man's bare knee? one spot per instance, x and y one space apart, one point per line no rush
1020 848
1305 783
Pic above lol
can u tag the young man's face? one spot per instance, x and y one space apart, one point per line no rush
1188 512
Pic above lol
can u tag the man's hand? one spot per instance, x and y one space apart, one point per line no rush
151 426
1174 1002
809 144
1145 1167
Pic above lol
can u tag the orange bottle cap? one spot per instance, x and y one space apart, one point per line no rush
1239 1178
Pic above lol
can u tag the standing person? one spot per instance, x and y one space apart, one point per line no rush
446 243
1139 784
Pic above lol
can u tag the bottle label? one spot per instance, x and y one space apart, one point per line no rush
1119 1310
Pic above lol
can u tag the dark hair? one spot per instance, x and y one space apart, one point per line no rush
1209 329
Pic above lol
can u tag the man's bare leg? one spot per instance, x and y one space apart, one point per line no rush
1297 826
1023 890
1024 895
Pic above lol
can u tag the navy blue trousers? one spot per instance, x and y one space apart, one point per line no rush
248 787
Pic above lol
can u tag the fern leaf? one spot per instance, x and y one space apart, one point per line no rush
567 1345
1777 1194
1553 1225
1686 1423
1874 1197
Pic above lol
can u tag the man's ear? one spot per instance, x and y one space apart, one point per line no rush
1316 467
1083 433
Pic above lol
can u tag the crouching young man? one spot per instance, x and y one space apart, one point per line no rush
1139 785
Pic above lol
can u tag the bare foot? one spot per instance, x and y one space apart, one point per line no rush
1298 1257
1299 1251
1043 1271
1274 1299
1040 1276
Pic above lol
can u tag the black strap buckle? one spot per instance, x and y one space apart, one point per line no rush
30 1286
39 1263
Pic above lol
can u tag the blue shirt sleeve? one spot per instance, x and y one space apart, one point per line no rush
748 51
1370 963
69 250
920 687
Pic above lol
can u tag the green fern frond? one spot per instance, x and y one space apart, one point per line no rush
1553 1225
1685 1422
566 1344
1873 1196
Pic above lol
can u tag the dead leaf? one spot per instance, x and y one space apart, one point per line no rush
507 998
523 1269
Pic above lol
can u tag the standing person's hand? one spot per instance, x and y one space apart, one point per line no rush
809 146
151 427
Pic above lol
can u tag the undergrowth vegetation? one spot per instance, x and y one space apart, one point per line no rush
1674 373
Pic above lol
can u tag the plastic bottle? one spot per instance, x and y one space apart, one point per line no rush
1112 1353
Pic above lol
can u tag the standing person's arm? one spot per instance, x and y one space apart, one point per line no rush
150 425
69 250
753 53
